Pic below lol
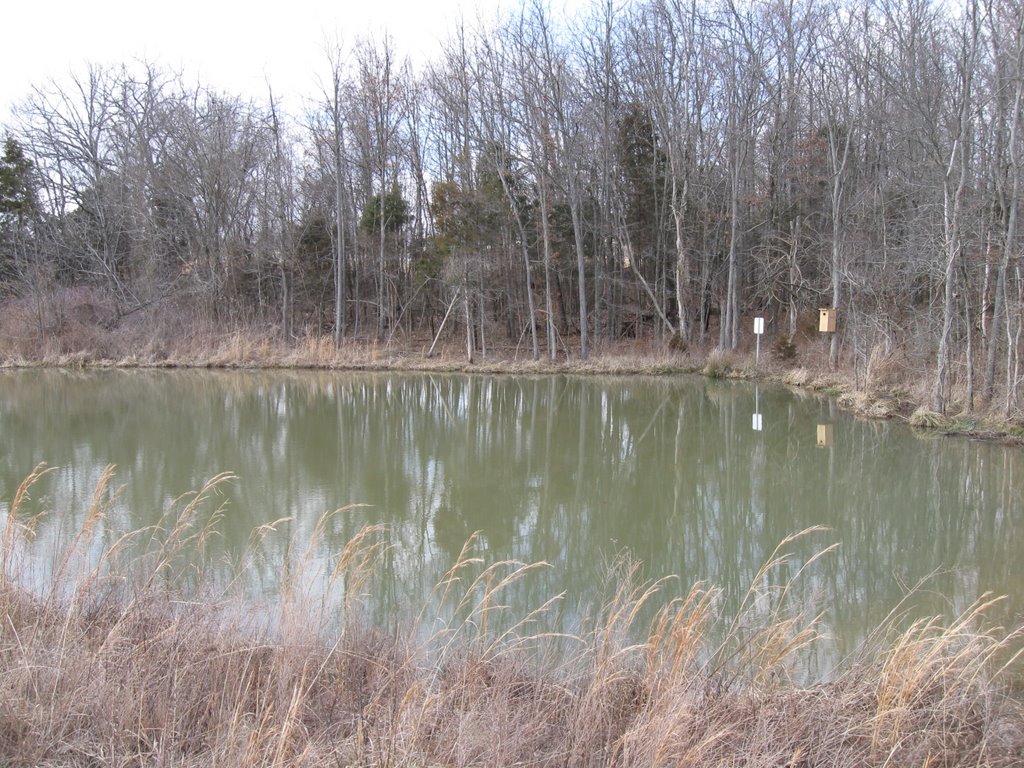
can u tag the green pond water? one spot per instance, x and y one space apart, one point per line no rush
574 472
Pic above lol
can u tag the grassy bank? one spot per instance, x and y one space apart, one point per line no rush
87 332
113 661
895 395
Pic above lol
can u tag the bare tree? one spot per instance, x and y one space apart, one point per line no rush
379 119
838 111
1006 36
332 134
494 137
954 183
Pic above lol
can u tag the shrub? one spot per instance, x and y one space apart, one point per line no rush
718 365
928 419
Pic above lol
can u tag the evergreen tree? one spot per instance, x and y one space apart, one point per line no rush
19 207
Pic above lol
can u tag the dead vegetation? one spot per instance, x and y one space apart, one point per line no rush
131 657
79 327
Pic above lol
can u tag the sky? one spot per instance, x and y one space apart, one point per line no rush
237 47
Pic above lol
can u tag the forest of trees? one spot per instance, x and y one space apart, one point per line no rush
660 168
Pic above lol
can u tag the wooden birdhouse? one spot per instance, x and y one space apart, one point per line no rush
827 320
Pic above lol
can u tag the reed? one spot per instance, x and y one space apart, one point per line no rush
140 657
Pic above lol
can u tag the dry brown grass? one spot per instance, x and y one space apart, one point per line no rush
115 662
79 327
721 364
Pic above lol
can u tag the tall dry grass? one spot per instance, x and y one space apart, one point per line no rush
138 656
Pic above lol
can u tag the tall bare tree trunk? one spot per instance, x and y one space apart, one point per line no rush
469 321
577 228
340 267
1011 204
682 262
727 338
549 307
952 195
794 275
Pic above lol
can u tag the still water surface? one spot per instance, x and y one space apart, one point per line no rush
571 471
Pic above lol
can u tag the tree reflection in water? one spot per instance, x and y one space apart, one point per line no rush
570 471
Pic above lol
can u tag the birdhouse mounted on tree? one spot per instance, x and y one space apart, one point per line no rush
827 320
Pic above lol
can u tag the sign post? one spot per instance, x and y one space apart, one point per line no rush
758 331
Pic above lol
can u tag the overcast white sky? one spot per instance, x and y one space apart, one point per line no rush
230 45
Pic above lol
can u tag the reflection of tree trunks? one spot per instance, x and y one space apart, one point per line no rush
583 479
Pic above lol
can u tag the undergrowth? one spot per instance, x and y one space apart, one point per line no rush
133 657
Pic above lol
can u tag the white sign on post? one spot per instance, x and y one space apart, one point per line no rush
758 422
758 330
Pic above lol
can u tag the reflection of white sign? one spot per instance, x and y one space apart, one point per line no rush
758 325
758 425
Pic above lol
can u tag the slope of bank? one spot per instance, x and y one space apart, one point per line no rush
886 389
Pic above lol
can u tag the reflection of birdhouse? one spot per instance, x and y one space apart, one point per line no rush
827 320
757 422
824 435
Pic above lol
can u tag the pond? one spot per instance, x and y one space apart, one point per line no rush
574 472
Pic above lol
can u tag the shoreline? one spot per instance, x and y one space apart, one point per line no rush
238 351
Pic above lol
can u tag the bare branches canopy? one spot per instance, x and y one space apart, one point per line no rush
660 168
